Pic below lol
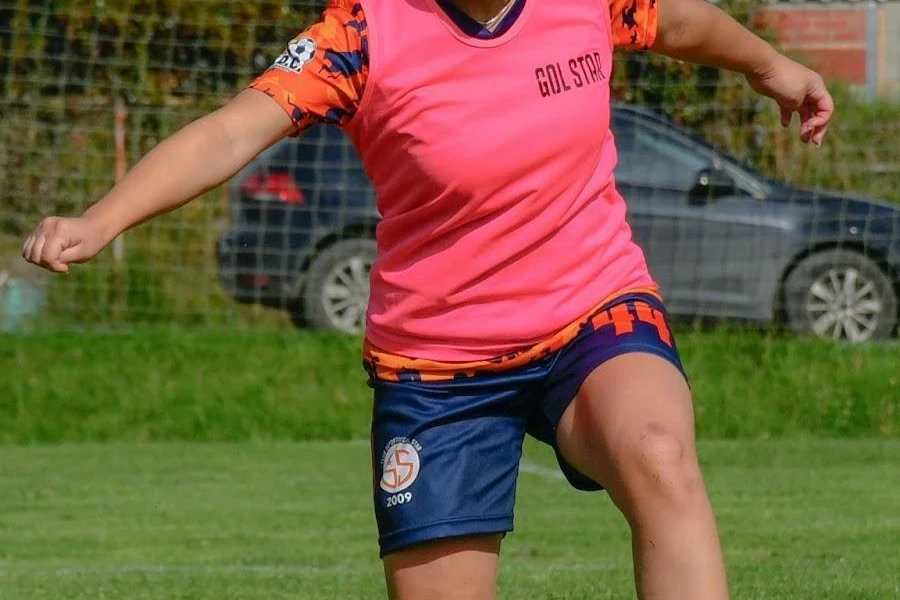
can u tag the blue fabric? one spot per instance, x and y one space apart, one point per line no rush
446 454
473 28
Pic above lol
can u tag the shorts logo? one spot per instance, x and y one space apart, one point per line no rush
400 464
298 54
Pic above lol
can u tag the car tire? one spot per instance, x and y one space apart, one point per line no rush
840 295
296 310
336 294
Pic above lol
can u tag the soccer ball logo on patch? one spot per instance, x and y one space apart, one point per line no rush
298 54
400 466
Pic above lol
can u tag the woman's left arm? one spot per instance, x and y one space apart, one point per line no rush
697 31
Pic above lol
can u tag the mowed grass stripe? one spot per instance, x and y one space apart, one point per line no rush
800 519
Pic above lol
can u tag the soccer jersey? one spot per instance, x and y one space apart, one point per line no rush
492 160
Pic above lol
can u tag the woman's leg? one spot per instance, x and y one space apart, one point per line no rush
462 568
631 428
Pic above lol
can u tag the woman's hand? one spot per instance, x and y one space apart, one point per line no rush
58 242
797 89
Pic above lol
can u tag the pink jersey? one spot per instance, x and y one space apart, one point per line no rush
493 164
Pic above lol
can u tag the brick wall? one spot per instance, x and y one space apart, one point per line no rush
831 38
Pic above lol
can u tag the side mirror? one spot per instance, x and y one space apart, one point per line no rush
711 183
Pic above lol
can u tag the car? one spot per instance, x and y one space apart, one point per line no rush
302 233
722 240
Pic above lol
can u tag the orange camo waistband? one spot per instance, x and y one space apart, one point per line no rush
385 366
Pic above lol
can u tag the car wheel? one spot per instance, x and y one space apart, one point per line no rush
841 295
336 294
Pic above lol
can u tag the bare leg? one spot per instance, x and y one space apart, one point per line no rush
462 568
631 428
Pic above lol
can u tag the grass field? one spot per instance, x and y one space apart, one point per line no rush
809 519
258 511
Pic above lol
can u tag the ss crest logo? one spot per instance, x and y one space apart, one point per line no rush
298 54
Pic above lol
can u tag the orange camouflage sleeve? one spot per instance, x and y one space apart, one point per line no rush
633 23
320 76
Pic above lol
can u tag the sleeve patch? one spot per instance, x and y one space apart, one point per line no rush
298 54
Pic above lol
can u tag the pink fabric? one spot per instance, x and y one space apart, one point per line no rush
492 161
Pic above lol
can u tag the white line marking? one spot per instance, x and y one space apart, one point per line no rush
275 570
344 570
526 466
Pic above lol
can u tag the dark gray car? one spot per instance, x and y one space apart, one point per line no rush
722 240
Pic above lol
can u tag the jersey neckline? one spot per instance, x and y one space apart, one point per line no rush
471 32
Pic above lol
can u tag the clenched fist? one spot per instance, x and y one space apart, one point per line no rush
58 242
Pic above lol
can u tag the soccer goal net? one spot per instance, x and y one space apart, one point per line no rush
738 218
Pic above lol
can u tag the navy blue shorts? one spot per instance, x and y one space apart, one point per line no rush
446 454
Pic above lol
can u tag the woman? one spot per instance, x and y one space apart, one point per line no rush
508 296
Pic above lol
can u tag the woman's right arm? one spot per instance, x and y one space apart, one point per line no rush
195 159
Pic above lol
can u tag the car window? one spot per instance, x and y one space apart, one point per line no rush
651 157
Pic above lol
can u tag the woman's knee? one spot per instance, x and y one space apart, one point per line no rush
655 465
462 568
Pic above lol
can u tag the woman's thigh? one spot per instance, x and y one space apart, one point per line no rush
632 424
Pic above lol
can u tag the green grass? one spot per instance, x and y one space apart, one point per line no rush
805 519
223 385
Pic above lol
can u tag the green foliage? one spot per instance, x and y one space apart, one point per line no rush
861 153
54 159
157 384
63 62
148 50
